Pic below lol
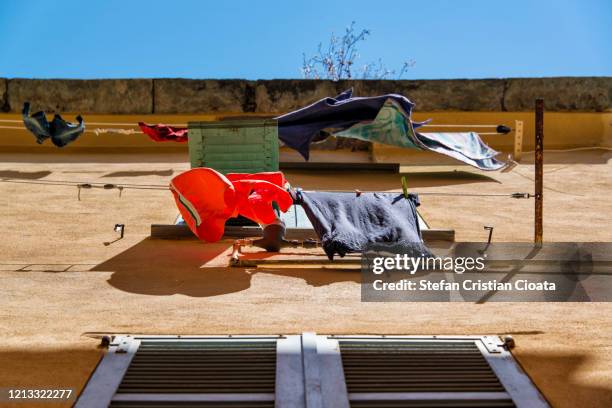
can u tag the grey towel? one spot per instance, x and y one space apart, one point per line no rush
347 223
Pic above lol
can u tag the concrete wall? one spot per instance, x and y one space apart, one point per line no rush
188 96
84 96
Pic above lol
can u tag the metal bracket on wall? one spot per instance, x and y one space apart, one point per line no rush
109 373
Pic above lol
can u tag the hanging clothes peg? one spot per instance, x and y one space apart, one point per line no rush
80 186
405 186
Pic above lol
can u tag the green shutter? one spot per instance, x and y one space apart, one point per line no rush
239 146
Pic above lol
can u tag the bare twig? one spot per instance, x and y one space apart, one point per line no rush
337 60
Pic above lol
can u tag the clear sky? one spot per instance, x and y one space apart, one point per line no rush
266 39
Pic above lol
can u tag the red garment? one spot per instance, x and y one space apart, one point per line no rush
255 197
164 133
274 177
207 198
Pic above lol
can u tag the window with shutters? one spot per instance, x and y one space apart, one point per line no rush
309 371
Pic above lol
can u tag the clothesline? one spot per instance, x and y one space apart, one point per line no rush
95 123
466 126
108 186
185 124
86 184
480 133
97 131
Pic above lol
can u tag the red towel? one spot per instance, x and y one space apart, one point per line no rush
164 133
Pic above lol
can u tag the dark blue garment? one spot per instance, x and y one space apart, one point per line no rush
298 128
58 130
63 133
347 222
37 123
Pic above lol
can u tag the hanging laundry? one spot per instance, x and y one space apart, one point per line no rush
37 123
347 222
297 129
255 198
257 191
467 147
58 130
274 177
382 119
64 133
164 133
207 199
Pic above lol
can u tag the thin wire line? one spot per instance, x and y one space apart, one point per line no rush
161 187
431 193
139 132
571 149
184 124
97 123
478 133
13 127
477 126
70 182
96 131
83 184
467 194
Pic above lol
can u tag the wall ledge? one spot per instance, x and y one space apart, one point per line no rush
184 95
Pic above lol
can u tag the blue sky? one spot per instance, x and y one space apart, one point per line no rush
266 39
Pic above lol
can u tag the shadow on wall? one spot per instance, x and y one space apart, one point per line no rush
383 181
24 175
168 267
58 368
165 267
161 173
555 374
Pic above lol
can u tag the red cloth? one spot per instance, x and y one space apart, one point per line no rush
164 133
274 177
255 197
207 198
256 191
